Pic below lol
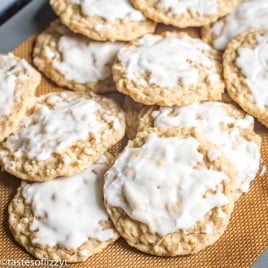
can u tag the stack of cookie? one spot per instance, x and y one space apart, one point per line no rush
67 135
190 154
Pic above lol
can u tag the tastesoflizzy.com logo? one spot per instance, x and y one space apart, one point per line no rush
33 263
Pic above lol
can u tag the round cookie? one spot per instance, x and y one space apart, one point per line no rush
185 13
169 69
245 72
74 61
62 134
18 82
102 21
221 124
63 219
134 112
170 192
247 15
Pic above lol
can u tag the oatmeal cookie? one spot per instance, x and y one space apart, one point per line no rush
74 61
18 83
185 13
62 134
170 192
247 15
222 124
245 72
169 69
63 219
116 20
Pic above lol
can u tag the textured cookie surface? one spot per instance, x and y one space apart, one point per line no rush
62 134
102 20
185 13
74 61
245 72
221 124
247 15
170 193
18 82
168 69
63 219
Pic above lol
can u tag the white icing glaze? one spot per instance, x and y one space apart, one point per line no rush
157 184
7 92
168 61
12 72
209 117
84 252
83 60
53 129
203 7
110 11
253 63
248 14
221 214
209 229
68 210
213 155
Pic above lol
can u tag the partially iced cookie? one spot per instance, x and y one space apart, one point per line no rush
221 124
246 72
185 13
63 219
101 20
247 15
18 82
62 134
169 69
74 61
170 192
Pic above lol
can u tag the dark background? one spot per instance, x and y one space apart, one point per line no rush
9 10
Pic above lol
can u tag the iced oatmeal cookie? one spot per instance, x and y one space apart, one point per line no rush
246 15
74 61
185 13
18 82
101 20
169 69
246 72
61 135
63 219
222 124
170 192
